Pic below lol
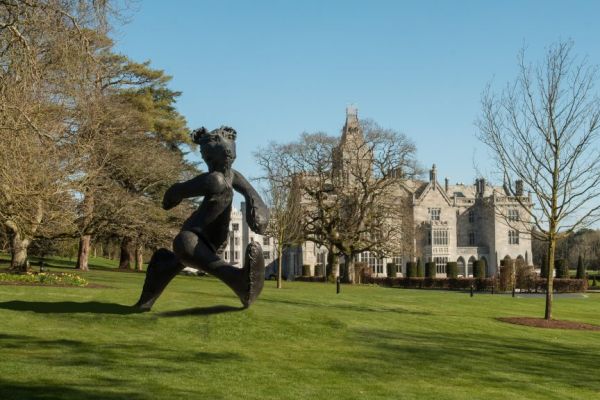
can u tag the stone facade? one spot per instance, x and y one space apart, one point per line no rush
464 223
460 223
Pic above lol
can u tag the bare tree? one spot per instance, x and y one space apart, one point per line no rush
349 189
543 130
285 210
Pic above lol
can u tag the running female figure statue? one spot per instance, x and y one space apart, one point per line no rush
203 237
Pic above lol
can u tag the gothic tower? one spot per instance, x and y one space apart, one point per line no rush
351 156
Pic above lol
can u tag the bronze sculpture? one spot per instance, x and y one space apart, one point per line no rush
203 236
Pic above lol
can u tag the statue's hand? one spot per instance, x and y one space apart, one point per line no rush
258 218
171 198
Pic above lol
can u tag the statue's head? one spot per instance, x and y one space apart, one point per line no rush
217 146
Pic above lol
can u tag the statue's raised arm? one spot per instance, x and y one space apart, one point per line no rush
257 212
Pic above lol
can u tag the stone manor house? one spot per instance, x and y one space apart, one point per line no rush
461 223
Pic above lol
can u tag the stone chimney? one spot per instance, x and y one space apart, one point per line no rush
446 184
479 187
433 174
519 188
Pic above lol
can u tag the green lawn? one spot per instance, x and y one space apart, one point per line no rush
300 342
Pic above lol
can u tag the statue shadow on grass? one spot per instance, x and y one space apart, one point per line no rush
95 307
68 307
220 309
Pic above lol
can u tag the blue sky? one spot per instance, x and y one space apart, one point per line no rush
273 69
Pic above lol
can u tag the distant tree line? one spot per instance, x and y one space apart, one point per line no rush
584 243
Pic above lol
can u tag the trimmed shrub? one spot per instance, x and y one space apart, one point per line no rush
544 267
525 277
430 269
562 269
306 270
309 279
580 268
319 270
420 269
563 285
434 283
411 269
451 270
479 269
505 277
391 270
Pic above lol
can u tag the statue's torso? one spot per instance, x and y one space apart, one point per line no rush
211 219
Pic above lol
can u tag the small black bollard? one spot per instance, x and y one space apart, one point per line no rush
471 290
492 289
337 285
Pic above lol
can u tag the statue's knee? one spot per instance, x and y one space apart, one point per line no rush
184 245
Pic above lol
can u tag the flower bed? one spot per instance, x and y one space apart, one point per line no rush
43 278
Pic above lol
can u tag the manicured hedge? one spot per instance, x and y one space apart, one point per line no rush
391 270
411 269
311 279
563 285
430 269
434 283
580 268
479 284
306 270
420 269
544 267
479 269
319 270
562 269
452 270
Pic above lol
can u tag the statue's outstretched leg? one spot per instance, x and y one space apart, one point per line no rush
162 268
247 283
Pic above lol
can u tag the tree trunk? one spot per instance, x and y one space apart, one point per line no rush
18 252
349 272
126 256
550 277
83 254
334 264
139 257
279 266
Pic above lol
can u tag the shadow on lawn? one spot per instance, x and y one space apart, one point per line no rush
348 306
201 311
112 358
51 391
67 307
504 360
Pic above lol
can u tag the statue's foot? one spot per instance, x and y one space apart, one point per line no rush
253 274
162 268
